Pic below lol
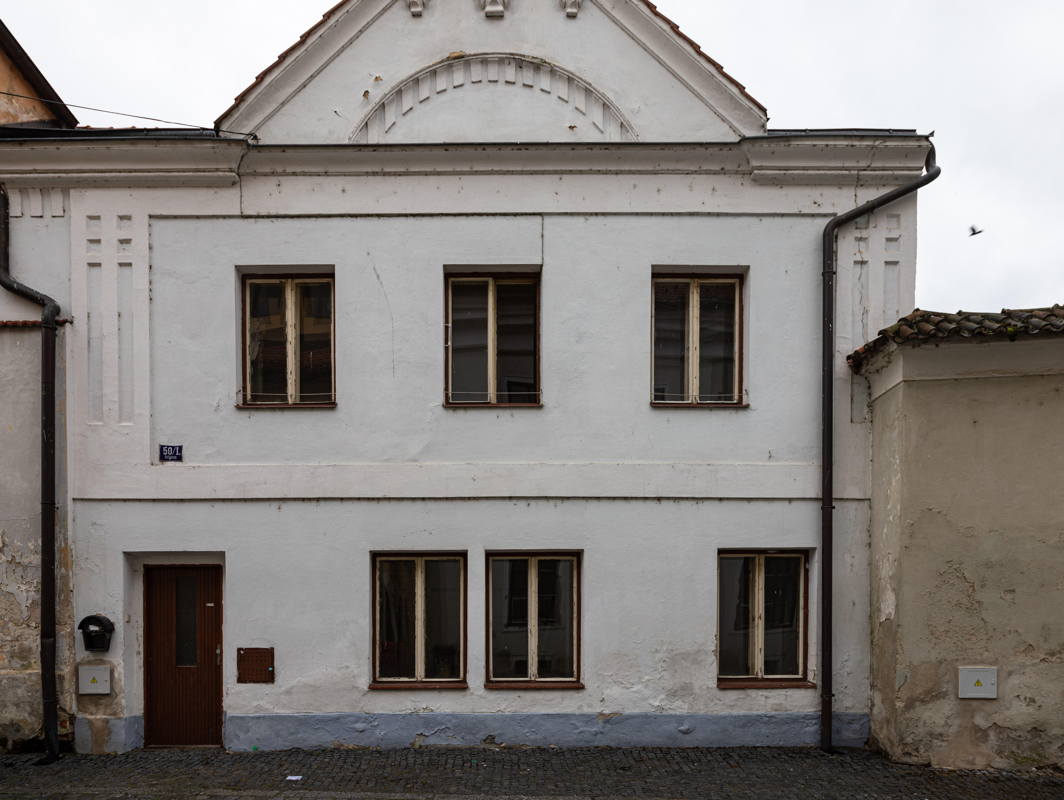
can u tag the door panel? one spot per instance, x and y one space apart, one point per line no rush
183 656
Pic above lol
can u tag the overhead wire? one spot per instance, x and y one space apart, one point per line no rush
122 114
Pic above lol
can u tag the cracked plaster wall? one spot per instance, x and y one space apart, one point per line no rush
967 532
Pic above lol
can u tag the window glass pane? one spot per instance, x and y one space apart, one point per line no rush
515 311
783 592
443 619
396 631
469 342
186 620
716 336
736 612
267 352
315 342
509 617
555 600
670 341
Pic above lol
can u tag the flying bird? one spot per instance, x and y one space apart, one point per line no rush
974 231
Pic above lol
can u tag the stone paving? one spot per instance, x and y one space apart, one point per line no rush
467 773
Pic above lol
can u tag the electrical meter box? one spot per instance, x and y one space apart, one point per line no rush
94 679
977 683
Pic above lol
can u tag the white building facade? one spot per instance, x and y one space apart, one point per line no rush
493 361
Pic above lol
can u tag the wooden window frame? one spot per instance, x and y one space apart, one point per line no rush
535 683
289 282
760 680
694 344
493 280
419 558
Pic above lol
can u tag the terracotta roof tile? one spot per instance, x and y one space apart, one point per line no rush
328 15
921 327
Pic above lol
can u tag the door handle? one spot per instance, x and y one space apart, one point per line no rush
218 655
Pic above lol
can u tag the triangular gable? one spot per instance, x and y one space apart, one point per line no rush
429 71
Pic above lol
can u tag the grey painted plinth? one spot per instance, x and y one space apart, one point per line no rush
121 735
245 732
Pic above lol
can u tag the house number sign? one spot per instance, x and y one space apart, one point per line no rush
171 452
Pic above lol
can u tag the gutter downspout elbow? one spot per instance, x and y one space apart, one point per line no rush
49 315
827 489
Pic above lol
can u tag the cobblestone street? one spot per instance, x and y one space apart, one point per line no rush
541 773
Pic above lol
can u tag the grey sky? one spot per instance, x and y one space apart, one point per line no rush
988 77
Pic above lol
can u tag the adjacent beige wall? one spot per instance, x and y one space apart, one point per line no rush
968 553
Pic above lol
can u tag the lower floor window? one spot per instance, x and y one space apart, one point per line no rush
533 617
762 618
420 618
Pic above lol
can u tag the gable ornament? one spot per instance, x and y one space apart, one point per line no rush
571 7
417 7
494 8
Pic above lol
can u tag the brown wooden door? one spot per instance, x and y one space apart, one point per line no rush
183 656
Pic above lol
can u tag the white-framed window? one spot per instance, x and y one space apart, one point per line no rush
762 615
533 619
493 340
419 612
697 331
289 341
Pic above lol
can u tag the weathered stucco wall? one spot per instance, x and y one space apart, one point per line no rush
40 257
967 537
20 550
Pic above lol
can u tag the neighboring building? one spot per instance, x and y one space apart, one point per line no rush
487 336
26 98
967 537
43 232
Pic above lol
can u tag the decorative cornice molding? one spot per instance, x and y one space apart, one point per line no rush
494 8
417 7
571 7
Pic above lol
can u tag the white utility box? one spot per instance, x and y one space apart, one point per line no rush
977 683
94 679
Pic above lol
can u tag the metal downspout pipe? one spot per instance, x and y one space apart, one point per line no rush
49 315
827 491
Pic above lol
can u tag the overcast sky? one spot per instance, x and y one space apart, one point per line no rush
987 77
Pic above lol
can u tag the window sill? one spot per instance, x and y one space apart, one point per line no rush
764 683
283 406
493 405
417 685
700 406
534 685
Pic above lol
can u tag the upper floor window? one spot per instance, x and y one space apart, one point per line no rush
289 357
697 336
493 340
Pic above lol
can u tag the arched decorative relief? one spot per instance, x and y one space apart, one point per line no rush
540 80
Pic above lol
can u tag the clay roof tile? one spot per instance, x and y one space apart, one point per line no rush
920 327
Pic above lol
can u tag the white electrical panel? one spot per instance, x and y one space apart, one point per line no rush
977 683
94 679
